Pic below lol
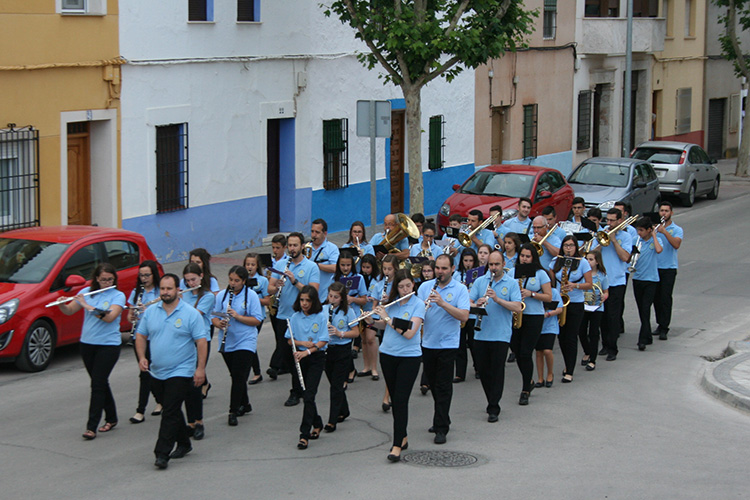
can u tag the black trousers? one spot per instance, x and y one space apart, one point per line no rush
644 292
613 309
568 337
144 383
99 361
663 299
256 358
490 358
312 370
238 363
172 392
466 342
400 374
438 366
522 343
588 333
281 359
338 361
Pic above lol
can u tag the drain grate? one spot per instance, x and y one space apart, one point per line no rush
440 458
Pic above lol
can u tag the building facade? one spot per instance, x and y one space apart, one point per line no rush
239 121
59 113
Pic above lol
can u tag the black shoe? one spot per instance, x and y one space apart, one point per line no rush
355 354
611 357
511 358
394 458
604 351
492 417
200 432
457 380
440 438
244 410
641 347
190 431
282 371
423 389
590 367
180 451
367 373
548 383
584 362
272 373
292 401
539 384
232 421
524 399
662 335
135 420
567 380
476 375
341 418
161 462
254 380
386 406
329 428
431 430
205 389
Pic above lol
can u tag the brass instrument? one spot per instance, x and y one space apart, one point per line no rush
406 227
518 316
296 363
586 248
538 246
359 251
465 238
307 249
635 257
590 297
65 300
564 295
604 237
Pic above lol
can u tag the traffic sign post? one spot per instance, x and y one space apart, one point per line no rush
373 121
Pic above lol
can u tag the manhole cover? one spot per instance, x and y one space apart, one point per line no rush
440 458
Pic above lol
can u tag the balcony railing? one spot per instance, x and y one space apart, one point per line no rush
603 35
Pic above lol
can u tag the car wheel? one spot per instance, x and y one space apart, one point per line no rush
714 191
689 198
656 206
38 347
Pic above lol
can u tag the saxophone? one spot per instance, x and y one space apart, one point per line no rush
518 316
564 295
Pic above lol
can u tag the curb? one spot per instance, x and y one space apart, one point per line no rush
717 379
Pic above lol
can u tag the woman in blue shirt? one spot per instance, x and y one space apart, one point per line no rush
535 290
593 309
550 331
400 354
339 351
145 291
512 244
308 323
369 271
239 338
100 343
258 284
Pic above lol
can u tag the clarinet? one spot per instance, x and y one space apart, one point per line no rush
428 302
296 363
136 317
281 287
478 323
224 332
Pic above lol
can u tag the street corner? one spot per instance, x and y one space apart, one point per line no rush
727 378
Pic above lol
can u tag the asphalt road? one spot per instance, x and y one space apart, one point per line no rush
639 427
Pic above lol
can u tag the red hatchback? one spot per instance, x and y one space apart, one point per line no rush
41 264
503 185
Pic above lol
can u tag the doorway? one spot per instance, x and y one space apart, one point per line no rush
715 143
273 176
398 149
498 134
79 174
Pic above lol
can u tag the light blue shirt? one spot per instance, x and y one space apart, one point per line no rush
146 296
326 253
497 325
305 272
240 337
341 322
615 267
534 284
551 324
377 290
574 276
380 237
510 262
360 291
513 225
416 248
667 259
312 328
546 258
646 268
395 344
96 331
596 299
261 289
486 237
204 305
441 330
172 339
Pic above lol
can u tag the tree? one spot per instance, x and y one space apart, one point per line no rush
737 14
416 41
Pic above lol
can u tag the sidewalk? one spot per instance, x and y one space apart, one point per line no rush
726 168
728 379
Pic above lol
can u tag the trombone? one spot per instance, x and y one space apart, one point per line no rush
538 246
604 237
465 238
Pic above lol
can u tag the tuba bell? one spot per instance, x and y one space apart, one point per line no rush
406 227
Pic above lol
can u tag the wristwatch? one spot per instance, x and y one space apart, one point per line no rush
532 295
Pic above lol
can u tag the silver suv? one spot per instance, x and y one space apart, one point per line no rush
684 169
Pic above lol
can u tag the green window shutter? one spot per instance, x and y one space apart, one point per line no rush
436 142
333 141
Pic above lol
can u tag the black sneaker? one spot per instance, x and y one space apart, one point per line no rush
272 373
244 409
181 451
232 421
604 351
492 417
200 432
511 358
611 357
162 462
524 399
440 438
292 401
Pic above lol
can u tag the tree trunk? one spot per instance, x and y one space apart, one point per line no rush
412 95
743 157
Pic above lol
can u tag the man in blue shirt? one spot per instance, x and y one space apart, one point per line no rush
521 223
646 277
447 308
667 264
324 255
483 237
551 245
175 332
390 224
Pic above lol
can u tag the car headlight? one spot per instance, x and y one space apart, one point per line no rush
606 205
445 210
7 310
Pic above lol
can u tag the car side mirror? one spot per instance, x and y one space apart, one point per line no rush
543 195
640 184
456 187
713 161
74 280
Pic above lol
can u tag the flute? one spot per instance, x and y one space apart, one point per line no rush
367 315
224 332
65 300
296 362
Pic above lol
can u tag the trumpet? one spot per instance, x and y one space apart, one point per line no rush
307 249
359 251
604 237
538 246
367 315
465 238
65 300
635 257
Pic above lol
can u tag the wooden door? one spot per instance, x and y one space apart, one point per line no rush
498 134
272 176
79 174
398 150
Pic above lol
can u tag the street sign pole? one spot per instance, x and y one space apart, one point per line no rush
373 121
373 185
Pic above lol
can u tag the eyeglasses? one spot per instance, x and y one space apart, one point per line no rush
569 245
145 275
105 280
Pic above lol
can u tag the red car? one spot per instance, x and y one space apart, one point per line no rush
503 185
41 264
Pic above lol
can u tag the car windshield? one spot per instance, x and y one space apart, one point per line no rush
498 184
658 155
27 261
601 174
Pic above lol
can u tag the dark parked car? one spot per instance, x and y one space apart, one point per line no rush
503 185
684 169
603 181
41 264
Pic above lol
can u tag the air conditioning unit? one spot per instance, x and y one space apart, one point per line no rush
82 7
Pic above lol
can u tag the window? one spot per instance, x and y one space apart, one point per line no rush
689 19
200 10
248 11
171 167
437 142
682 120
335 153
529 130
549 21
556 181
122 254
602 8
667 14
19 178
82 263
584 120
81 7
645 8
